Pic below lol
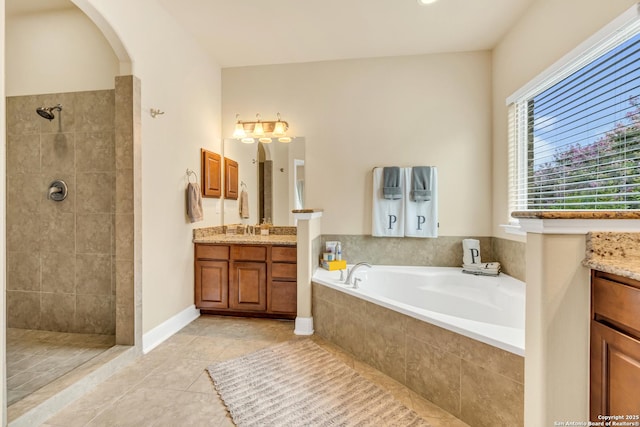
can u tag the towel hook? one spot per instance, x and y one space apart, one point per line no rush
242 184
155 112
195 175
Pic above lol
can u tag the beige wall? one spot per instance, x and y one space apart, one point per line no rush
548 30
357 114
57 51
180 79
557 285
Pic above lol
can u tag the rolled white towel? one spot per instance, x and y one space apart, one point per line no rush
482 266
484 269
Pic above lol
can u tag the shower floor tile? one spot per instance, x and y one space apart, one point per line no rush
36 358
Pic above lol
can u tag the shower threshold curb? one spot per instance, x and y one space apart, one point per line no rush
47 401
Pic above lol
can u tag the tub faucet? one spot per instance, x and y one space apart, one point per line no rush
351 272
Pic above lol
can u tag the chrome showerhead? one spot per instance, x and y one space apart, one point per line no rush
47 112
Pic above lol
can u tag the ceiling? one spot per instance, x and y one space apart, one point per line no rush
258 32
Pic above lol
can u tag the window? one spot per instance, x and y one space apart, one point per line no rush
575 136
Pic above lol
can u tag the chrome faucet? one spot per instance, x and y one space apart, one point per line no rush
351 272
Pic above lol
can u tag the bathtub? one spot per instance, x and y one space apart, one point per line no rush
487 309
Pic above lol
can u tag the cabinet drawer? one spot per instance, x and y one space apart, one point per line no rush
616 302
249 253
212 252
283 271
284 254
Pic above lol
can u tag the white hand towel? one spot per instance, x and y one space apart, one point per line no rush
471 251
421 217
387 215
194 202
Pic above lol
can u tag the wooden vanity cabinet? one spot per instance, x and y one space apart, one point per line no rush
615 345
239 279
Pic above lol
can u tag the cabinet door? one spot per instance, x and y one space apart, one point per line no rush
212 289
231 179
283 297
211 171
248 286
615 372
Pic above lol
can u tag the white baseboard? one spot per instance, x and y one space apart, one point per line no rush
160 333
304 326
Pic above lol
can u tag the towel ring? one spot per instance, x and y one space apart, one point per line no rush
189 173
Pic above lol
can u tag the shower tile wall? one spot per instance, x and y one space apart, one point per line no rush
61 254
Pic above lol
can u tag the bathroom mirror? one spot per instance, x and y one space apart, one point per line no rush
272 174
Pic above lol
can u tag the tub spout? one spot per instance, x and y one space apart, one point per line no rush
351 272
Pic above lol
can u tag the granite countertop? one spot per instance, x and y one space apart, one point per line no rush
615 253
272 239
278 235
592 214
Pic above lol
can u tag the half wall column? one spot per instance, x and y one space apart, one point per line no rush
309 246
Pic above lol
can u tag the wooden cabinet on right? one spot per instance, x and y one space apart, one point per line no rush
615 346
283 288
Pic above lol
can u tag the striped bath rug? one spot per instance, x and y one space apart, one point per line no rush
297 383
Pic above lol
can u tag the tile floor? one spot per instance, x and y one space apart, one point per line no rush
170 387
36 358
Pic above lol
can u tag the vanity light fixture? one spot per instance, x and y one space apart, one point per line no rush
264 131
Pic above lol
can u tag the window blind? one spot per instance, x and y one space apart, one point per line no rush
575 143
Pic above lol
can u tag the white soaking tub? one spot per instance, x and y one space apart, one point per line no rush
487 309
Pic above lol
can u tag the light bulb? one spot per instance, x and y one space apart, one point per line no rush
239 132
258 130
278 128
285 139
265 140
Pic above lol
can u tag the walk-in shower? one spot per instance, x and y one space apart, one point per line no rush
47 112
60 288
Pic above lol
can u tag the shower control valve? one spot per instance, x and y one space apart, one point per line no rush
58 190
